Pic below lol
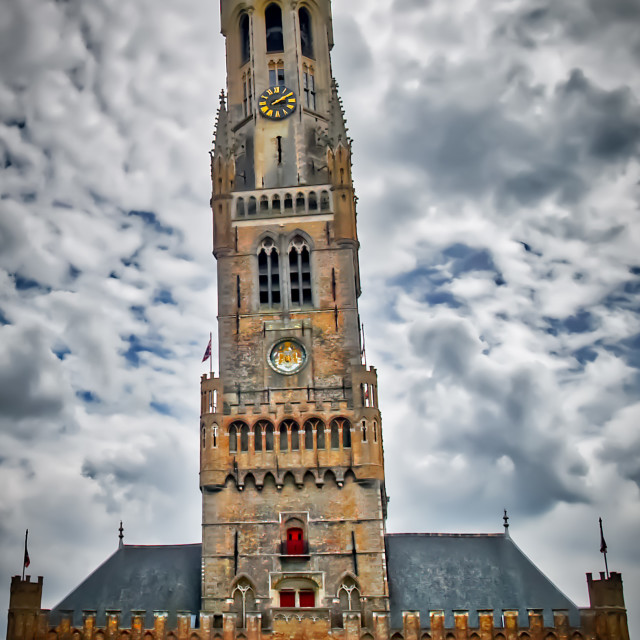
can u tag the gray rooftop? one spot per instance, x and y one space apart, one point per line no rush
427 571
449 571
140 577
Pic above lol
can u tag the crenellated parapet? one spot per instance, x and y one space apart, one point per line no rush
315 623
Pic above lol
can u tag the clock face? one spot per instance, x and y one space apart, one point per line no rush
287 356
277 102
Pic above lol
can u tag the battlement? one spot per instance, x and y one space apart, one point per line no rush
315 623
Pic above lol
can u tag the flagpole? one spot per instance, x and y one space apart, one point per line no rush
24 557
603 549
210 353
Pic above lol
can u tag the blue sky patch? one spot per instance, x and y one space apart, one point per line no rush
138 345
3 319
160 407
151 219
25 284
163 296
138 312
87 396
61 352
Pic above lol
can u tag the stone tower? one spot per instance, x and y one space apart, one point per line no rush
292 472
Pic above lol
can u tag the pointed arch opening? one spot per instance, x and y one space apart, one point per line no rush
268 437
245 42
233 438
300 272
273 27
306 35
269 274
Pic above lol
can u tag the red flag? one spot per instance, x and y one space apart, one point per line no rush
603 544
26 562
207 352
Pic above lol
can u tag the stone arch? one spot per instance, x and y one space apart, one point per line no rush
325 202
124 634
524 636
577 636
288 202
269 481
550 636
264 204
230 480
450 636
499 636
330 476
474 636
397 636
148 636
240 208
252 206
243 594
250 481
313 201
289 479
300 202
309 477
425 636
366 636
275 203
350 476
194 636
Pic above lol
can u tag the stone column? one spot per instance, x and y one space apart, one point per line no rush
229 624
64 628
437 624
510 623
411 625
461 619
351 625
160 624
254 626
206 625
137 623
88 623
561 623
42 627
184 624
485 623
381 625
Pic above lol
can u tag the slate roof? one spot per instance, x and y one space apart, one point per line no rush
139 577
427 571
431 571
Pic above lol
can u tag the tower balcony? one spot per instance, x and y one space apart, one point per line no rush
285 202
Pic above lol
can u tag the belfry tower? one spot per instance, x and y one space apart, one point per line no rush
292 471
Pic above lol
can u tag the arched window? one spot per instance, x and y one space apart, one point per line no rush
214 436
299 272
244 600
364 431
320 439
273 25
375 432
309 86
295 437
306 37
204 437
245 46
300 206
244 437
268 437
247 94
284 437
233 438
240 208
308 435
324 201
297 592
257 438
275 203
335 435
349 595
313 201
269 274
252 206
264 203
341 424
288 202
276 73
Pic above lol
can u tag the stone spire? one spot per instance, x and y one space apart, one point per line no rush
337 125
222 138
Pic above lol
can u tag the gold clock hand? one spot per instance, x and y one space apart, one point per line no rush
282 98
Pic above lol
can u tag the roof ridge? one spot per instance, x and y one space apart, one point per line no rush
452 535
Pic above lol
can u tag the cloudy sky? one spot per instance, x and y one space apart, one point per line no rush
496 148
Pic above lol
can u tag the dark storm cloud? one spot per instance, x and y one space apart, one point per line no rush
473 151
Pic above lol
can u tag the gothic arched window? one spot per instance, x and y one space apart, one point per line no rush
284 437
233 438
349 595
295 437
306 37
268 437
335 435
245 47
273 25
269 274
320 439
299 272
257 438
244 600
244 437
308 435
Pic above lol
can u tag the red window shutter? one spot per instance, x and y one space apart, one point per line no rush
307 599
295 542
287 598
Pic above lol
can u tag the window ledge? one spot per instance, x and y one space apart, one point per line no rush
290 556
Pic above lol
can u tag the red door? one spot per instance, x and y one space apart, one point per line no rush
295 543
287 598
307 599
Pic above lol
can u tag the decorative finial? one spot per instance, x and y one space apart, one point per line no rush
121 536
505 518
